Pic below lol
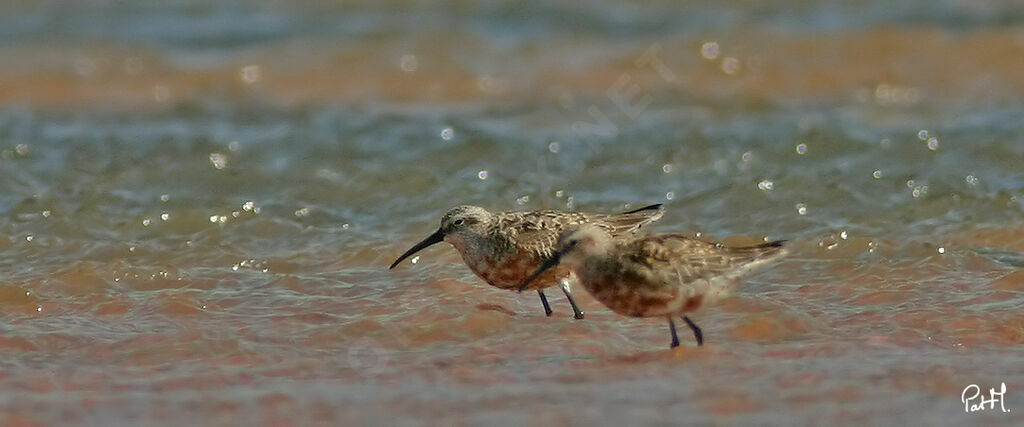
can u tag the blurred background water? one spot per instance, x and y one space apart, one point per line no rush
199 201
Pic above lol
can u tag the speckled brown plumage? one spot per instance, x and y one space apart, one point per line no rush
656 275
503 248
537 232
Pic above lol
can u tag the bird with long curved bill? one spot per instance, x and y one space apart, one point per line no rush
656 275
502 248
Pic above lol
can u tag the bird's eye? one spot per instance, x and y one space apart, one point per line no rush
459 221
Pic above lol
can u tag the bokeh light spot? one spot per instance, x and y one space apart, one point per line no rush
709 50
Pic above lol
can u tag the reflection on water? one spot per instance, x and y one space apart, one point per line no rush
198 204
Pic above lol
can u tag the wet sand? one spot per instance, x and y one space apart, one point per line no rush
198 205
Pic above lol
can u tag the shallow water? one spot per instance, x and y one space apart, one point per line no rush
198 204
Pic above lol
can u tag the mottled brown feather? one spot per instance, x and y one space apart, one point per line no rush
691 259
537 232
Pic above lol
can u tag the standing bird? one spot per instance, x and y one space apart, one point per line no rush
504 247
657 275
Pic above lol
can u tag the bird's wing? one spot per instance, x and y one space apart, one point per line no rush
536 231
626 223
691 259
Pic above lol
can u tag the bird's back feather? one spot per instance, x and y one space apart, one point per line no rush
690 259
537 231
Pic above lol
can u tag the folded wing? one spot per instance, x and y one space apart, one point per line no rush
538 231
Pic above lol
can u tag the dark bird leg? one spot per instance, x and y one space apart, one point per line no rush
544 300
577 313
696 330
675 338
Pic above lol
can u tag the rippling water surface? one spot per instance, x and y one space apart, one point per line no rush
198 204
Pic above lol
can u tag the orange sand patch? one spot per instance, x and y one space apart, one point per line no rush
766 327
1010 282
1007 238
883 298
780 65
495 307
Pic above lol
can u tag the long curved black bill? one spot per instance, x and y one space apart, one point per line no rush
551 262
437 237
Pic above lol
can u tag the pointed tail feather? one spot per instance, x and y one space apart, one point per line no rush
656 208
758 256
631 221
